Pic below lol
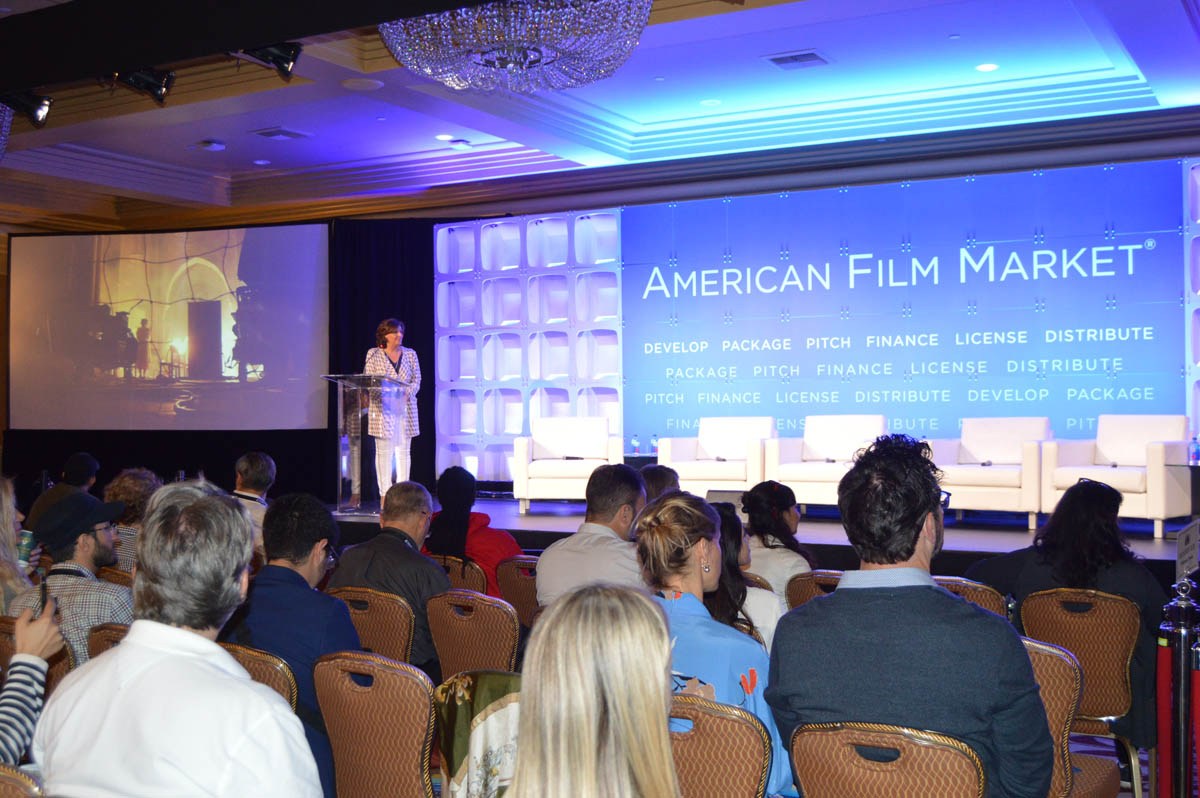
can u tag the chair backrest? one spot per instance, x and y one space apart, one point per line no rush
727 437
810 585
1060 680
266 669
1122 439
756 581
116 576
1101 630
517 577
463 575
999 440
838 437
103 637
381 732
384 621
726 752
979 594
829 762
60 664
556 437
16 784
473 632
477 721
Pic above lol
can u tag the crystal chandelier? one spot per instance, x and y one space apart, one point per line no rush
520 46
6 116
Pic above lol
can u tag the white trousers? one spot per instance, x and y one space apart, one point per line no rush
389 452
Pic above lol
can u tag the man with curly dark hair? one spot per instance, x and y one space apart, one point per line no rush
890 646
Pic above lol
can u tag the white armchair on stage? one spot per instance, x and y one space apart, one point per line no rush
995 465
559 455
813 465
1144 457
727 454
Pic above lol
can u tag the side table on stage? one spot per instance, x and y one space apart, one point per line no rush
356 392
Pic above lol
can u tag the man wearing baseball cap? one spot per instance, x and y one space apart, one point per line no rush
79 534
78 474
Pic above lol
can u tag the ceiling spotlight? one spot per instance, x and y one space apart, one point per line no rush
282 57
155 82
987 67
261 162
444 137
32 105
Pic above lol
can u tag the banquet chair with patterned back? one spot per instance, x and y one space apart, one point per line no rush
473 632
978 594
727 751
384 621
60 664
829 763
517 577
116 576
104 636
266 669
1100 630
382 731
754 580
1060 680
15 783
813 584
463 574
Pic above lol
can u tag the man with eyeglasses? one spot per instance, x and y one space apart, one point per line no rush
284 615
392 562
890 646
78 532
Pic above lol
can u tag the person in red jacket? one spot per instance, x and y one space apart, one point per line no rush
457 531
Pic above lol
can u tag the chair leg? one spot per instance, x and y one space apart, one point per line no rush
1158 529
1153 756
524 506
802 509
958 514
1135 767
1032 522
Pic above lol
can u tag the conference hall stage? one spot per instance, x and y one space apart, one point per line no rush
976 536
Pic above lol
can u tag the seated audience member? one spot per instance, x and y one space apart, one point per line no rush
1081 547
659 479
13 579
35 641
168 711
775 554
890 646
392 562
593 719
456 531
134 487
78 533
255 476
285 616
681 560
735 602
600 551
78 474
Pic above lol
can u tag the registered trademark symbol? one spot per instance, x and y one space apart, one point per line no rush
1150 243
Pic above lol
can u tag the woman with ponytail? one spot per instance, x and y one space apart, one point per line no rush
775 554
458 532
681 561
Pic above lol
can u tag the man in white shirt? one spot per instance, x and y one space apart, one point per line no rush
168 711
601 550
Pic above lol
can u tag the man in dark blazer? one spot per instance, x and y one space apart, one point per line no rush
392 562
890 646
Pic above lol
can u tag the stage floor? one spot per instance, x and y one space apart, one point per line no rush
972 538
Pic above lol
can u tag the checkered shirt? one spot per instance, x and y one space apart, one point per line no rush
387 404
127 551
83 602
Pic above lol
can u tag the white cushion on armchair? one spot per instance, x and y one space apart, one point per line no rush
541 468
726 454
813 465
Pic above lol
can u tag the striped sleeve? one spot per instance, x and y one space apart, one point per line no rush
20 705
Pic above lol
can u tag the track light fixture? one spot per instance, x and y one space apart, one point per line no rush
155 82
282 57
34 106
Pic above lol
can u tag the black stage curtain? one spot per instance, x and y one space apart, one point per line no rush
377 269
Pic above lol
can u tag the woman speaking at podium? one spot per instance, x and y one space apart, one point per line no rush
392 415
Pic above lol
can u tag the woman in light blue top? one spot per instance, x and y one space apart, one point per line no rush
681 559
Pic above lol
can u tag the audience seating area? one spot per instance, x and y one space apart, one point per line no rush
555 460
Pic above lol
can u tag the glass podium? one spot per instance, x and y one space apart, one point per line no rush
356 393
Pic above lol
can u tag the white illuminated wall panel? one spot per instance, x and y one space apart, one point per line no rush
528 325
1191 290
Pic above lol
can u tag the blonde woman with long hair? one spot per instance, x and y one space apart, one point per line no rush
13 580
595 700
677 547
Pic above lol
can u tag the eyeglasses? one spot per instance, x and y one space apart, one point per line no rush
945 500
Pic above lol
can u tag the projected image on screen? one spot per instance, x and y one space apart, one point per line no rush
215 329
